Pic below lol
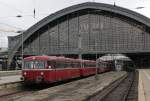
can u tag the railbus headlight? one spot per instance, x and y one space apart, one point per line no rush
42 73
24 73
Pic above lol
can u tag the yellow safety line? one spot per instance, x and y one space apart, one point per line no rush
142 87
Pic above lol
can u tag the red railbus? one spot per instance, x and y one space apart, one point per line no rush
49 69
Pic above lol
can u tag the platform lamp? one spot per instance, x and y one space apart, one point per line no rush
19 16
22 48
80 48
96 71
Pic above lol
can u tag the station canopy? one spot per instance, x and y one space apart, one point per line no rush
111 57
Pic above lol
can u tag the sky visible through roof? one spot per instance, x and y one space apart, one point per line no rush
9 9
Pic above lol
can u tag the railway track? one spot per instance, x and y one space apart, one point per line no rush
132 92
124 89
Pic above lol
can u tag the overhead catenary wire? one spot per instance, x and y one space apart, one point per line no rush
22 13
11 7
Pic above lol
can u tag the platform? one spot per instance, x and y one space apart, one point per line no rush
9 81
10 73
74 91
144 85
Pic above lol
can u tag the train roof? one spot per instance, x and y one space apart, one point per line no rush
92 61
40 58
53 58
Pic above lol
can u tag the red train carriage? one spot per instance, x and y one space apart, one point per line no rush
105 66
48 69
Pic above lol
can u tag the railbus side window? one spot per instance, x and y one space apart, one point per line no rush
102 65
73 64
70 64
66 64
99 65
51 64
79 64
57 64
89 64
93 64
60 64
76 65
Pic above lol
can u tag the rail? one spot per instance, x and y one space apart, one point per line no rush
123 89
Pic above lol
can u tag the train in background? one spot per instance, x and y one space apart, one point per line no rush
122 65
120 62
49 69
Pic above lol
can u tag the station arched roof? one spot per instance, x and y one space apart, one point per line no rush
87 5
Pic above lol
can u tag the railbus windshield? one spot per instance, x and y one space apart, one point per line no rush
34 64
